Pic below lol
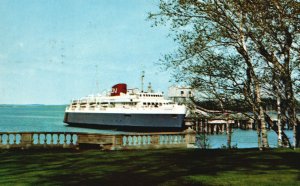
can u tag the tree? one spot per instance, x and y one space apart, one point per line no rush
224 48
275 33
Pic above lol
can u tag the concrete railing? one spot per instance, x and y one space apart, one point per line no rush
37 139
25 140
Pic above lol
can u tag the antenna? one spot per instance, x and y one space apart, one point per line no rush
149 88
142 80
97 81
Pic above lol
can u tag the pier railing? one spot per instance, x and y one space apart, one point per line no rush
25 140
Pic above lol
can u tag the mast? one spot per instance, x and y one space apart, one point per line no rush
142 81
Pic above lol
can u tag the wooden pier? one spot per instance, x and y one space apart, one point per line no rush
75 140
217 125
211 126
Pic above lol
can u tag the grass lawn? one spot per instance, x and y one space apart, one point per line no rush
150 167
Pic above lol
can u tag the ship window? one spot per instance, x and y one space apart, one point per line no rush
144 103
127 115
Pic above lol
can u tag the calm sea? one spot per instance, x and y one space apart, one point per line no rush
36 118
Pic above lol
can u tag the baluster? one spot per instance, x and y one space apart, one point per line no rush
75 140
18 136
171 139
134 140
67 140
144 140
129 140
166 139
139 140
149 140
124 140
161 139
1 139
178 139
55 139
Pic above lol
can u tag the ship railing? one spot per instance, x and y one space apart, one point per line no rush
25 140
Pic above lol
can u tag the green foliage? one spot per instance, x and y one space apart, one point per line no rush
216 39
202 141
235 49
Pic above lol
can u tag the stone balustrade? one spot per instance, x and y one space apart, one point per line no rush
25 140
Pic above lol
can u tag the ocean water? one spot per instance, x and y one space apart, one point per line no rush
36 118
49 118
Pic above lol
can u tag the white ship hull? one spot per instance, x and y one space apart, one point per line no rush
126 120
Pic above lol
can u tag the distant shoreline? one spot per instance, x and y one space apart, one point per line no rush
33 105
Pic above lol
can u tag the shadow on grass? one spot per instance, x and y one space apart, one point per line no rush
149 167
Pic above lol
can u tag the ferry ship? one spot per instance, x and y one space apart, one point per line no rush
124 107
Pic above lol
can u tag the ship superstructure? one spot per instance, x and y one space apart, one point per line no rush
126 108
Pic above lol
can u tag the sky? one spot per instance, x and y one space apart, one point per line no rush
52 51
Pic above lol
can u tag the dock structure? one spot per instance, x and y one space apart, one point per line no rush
209 126
218 124
75 140
216 121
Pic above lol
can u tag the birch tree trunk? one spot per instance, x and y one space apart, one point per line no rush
278 102
279 143
229 132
